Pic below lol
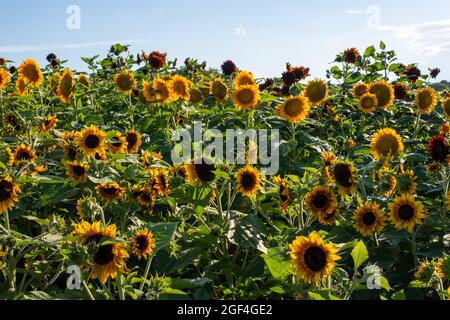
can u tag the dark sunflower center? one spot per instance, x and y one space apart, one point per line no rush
5 190
248 181
72 153
369 218
104 255
439 151
110 190
131 139
116 142
406 212
78 170
92 141
47 122
204 171
94 239
24 155
142 242
283 196
162 178
343 175
315 258
320 201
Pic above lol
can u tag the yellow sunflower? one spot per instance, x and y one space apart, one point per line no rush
8 194
180 171
384 92
124 81
284 193
144 195
86 232
246 96
24 154
328 218
134 141
118 144
83 79
244 78
386 142
201 172
110 191
294 109
4 78
344 176
195 96
443 267
161 90
444 129
369 218
142 244
218 89
21 85
179 87
320 200
313 258
316 91
77 171
328 158
446 107
160 181
91 140
64 89
248 181
426 100
406 212
360 89
30 72
47 124
425 271
150 157
368 103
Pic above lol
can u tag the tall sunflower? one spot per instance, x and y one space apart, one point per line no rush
320 200
386 142
110 191
124 81
77 171
30 72
344 176
64 89
134 141
246 96
369 218
313 258
179 87
294 109
201 172
368 103
142 244
47 124
248 181
316 91
406 212
161 90
384 92
426 100
8 193
4 78
244 78
218 89
91 140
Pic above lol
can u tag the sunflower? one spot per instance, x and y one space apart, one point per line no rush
21 85
388 180
444 129
142 244
77 171
38 169
360 89
248 181
438 149
4 78
64 90
86 232
201 172
71 151
124 81
294 109
246 96
134 141
406 182
384 92
147 91
30 72
316 91
344 176
368 103
81 204
369 218
244 78
284 193
150 157
406 212
47 124
386 142
425 271
351 55
179 87
8 194
218 89
108 260
195 96
426 100
443 267
24 154
144 195
446 107
118 144
313 258
328 158
180 171
320 200
328 218
161 181
161 89
156 59
91 140
110 191
400 91
83 79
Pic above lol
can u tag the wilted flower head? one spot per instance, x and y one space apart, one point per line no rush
228 67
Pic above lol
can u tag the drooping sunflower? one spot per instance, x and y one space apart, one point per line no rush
246 96
64 90
369 218
30 72
47 124
446 107
71 151
161 181
443 267
179 87
344 176
328 158
150 157
24 154
83 79
360 89
284 193
218 89
316 91
406 182
195 96
201 171
124 81
438 149
313 258
248 181
320 200
134 141
90 140
118 144
425 271
406 212
384 92
386 179
110 191
162 92
4 78
386 142
144 195
328 218
142 244
426 100
368 103
244 78
294 109
8 193
77 171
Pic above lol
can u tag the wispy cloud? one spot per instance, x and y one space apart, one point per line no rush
240 31
352 11
65 46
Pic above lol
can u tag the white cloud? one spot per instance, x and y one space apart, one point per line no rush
351 11
240 31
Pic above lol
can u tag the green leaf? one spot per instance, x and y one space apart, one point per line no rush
163 233
359 254
370 51
278 263
399 295
382 45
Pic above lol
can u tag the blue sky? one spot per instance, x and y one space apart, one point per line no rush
260 36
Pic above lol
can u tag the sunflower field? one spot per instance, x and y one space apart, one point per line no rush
93 207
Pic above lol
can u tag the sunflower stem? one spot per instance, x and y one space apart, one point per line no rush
7 225
88 291
414 247
147 270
